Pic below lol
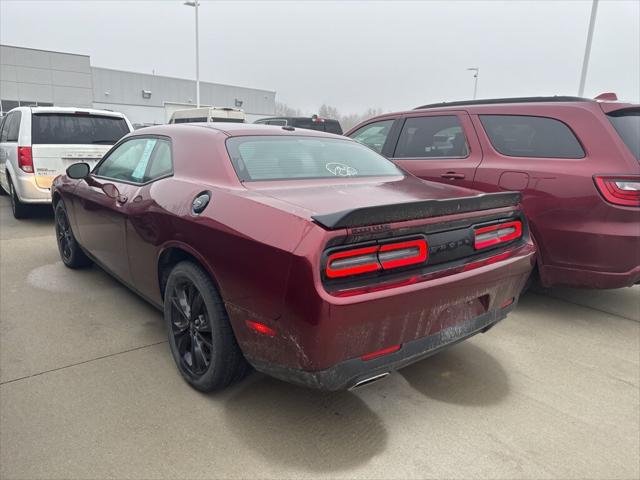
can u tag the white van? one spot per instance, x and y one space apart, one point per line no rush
208 114
39 143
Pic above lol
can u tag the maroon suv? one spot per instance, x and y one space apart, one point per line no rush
576 161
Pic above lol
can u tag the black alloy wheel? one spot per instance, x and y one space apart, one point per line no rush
191 327
201 339
70 252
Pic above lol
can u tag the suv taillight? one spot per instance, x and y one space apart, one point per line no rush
25 159
620 190
496 234
378 257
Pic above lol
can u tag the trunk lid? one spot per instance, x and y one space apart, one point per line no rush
321 197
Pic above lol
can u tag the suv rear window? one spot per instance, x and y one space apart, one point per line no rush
627 124
70 128
288 158
525 136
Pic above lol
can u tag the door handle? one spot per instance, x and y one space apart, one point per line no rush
453 176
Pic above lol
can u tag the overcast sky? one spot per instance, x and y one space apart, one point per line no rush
352 55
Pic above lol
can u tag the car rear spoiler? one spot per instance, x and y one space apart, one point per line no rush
399 212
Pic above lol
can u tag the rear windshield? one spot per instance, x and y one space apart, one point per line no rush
70 128
288 158
627 124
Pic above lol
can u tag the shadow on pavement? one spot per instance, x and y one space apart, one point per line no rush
319 431
464 374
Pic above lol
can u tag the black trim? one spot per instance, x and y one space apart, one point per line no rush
399 212
494 101
347 374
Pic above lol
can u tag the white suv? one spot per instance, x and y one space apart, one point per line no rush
39 143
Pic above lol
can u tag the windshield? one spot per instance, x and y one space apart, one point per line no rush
287 158
70 128
627 124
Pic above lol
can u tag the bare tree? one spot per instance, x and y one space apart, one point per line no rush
283 110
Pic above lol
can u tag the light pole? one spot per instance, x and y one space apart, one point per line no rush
587 50
195 4
475 82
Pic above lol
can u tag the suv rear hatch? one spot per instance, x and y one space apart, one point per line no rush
60 139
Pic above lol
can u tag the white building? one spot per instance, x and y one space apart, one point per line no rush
41 77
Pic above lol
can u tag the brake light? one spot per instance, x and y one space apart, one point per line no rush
353 262
403 253
622 190
25 159
378 257
497 234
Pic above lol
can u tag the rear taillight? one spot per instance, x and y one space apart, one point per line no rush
620 190
496 234
378 257
25 159
402 254
353 262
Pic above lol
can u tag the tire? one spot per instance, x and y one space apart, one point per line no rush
70 251
200 336
19 209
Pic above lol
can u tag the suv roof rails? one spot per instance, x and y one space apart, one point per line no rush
492 101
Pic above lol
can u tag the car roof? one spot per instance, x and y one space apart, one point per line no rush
235 129
498 101
93 111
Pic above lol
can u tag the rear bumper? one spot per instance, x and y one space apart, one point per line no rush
352 372
28 191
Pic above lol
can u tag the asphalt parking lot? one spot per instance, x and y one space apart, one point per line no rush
89 390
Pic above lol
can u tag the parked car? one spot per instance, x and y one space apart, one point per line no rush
38 143
306 255
310 123
576 162
208 114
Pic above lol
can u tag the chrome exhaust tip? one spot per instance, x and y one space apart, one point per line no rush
369 380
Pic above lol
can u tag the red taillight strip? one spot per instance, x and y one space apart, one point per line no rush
512 230
371 266
387 251
378 257
627 195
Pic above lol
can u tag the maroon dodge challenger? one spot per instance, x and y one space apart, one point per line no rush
304 254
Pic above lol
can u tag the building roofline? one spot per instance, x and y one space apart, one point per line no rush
44 50
184 79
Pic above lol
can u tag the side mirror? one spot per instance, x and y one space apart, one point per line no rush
78 171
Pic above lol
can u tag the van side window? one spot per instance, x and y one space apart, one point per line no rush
527 136
4 129
373 135
12 125
438 136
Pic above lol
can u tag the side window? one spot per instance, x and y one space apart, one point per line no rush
373 135
13 126
138 160
524 136
161 162
432 137
4 129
